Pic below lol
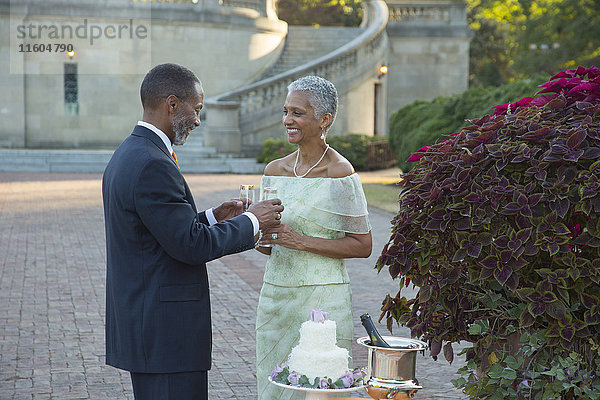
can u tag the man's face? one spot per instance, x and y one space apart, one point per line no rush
187 116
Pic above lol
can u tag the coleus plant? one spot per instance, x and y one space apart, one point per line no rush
499 229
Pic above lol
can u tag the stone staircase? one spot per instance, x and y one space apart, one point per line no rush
193 157
305 43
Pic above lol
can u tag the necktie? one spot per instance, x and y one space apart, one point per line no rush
175 158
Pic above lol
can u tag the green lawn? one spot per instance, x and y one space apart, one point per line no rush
382 196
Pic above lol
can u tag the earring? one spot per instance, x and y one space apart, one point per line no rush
322 134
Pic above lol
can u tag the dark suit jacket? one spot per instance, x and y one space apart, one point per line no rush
157 244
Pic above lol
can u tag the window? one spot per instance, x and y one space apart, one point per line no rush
71 89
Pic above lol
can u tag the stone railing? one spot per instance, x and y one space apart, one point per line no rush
436 12
252 4
238 121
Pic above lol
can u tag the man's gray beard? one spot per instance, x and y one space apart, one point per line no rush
181 129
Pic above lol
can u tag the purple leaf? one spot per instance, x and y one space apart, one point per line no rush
535 198
576 138
517 264
435 347
433 225
588 300
567 333
459 255
513 281
557 310
536 309
474 250
591 153
526 320
573 156
505 256
501 242
541 176
511 208
524 234
490 262
503 274
448 352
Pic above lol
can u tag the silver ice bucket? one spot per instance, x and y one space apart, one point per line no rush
391 370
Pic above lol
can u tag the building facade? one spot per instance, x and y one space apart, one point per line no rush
71 69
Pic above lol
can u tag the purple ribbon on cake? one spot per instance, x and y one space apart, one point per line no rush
318 315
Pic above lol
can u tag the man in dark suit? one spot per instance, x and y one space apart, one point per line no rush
158 323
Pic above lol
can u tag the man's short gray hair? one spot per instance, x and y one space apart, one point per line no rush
323 96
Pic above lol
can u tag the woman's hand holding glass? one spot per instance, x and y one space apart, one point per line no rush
282 235
266 194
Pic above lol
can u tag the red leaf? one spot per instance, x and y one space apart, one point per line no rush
582 86
500 109
569 73
416 156
525 101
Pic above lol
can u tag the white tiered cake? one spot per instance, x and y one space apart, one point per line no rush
317 354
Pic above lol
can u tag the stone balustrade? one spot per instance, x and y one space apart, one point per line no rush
430 12
252 4
422 12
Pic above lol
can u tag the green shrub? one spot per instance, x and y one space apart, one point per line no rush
275 148
353 147
425 122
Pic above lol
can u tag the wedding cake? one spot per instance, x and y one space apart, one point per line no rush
317 354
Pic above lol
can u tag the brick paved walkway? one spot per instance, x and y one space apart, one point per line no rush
52 270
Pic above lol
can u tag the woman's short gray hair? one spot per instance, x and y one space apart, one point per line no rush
323 96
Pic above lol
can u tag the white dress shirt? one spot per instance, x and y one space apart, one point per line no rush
209 213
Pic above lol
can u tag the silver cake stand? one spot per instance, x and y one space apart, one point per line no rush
316 394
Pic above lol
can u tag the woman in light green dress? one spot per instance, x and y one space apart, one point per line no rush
325 220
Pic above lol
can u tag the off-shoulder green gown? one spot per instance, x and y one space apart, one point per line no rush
296 282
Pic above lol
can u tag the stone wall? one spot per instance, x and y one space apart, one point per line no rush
230 44
429 51
226 46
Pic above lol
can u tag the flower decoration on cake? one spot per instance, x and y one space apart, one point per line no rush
318 315
317 362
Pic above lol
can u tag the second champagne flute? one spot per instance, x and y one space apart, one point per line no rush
247 195
267 193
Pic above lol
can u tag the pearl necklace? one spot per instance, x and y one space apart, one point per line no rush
310 169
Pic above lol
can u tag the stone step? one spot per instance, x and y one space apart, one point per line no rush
21 160
306 43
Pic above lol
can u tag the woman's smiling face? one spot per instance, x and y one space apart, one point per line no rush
299 117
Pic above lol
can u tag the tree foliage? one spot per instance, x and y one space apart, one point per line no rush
320 12
516 38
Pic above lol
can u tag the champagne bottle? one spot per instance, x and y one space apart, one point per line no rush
376 339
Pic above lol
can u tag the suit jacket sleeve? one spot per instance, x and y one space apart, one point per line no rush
165 210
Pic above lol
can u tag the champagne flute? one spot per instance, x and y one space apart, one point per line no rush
268 193
247 195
